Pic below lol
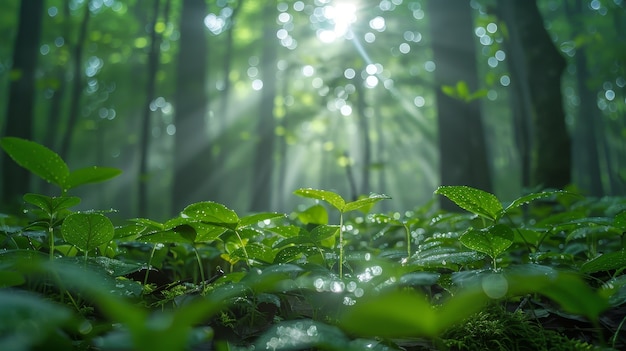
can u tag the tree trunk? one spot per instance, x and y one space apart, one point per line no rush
366 142
586 163
19 117
144 139
262 189
543 64
191 155
463 155
77 84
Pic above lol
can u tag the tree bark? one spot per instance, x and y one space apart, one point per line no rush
77 84
262 189
191 154
19 114
463 154
550 142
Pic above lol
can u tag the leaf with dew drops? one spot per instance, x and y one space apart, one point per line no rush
493 240
211 212
37 159
332 198
473 200
87 230
89 175
365 203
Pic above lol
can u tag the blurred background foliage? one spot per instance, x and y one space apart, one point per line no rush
241 101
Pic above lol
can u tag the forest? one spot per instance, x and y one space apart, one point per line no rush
280 172
241 102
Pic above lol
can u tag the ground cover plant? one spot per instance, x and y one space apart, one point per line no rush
545 272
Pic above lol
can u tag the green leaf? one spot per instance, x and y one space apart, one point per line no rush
90 175
258 217
11 278
526 199
330 197
186 231
620 221
605 262
315 214
37 159
51 205
211 212
87 230
473 200
493 240
323 232
364 202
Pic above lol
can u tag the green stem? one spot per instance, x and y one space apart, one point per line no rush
341 245
200 266
51 244
408 239
243 247
145 278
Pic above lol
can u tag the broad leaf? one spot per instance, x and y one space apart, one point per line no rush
87 230
258 217
315 214
90 175
211 212
365 202
330 197
493 240
323 232
37 159
606 262
473 200
526 199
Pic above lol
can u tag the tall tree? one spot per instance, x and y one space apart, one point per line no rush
587 161
550 159
19 114
191 154
463 155
262 179
77 83
152 69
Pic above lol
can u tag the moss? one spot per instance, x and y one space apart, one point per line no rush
497 329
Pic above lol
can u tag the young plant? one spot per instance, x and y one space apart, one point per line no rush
336 201
50 167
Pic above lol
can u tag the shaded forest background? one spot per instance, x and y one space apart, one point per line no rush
241 101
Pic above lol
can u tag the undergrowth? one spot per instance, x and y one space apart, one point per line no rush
544 272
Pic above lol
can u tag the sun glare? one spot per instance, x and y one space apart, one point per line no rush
341 15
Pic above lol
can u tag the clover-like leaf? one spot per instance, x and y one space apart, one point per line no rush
493 240
87 230
473 200
51 205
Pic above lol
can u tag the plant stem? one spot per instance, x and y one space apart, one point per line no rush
408 240
243 247
341 245
51 238
200 266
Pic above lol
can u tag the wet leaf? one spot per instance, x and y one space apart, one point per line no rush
258 217
211 212
321 232
37 159
473 200
361 204
87 230
526 199
51 205
315 214
89 175
330 197
605 262
493 240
